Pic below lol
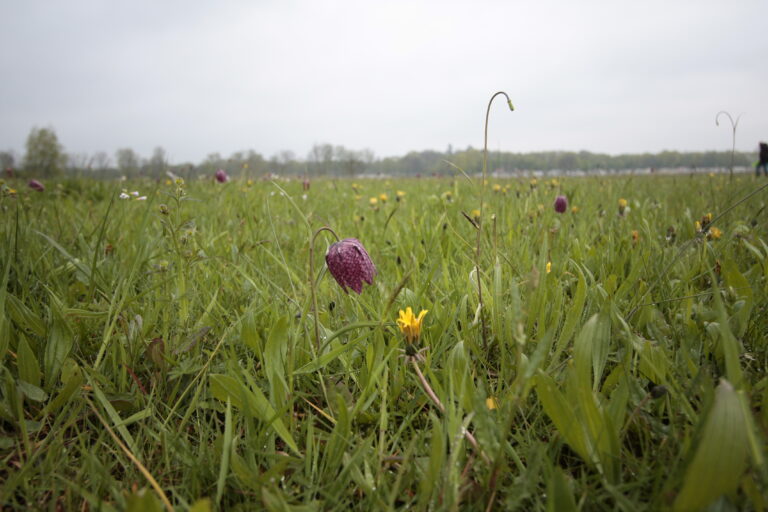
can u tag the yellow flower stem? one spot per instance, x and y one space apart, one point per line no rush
432 396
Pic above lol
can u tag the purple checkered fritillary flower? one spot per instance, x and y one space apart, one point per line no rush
561 204
36 185
349 263
221 176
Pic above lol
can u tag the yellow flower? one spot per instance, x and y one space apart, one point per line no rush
496 187
373 201
575 209
714 233
383 198
635 236
491 403
400 194
534 182
409 324
549 267
476 215
697 225
622 203
168 182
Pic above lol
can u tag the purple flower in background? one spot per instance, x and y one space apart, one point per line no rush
221 176
305 184
349 263
561 204
36 185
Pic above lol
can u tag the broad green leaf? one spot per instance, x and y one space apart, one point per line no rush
23 317
226 451
562 414
327 357
5 321
29 369
600 433
201 505
117 421
274 360
251 402
573 316
741 288
560 495
731 346
31 391
143 501
57 346
249 334
590 351
654 363
459 377
73 380
721 453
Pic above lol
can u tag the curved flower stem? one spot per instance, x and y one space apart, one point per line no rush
432 396
312 284
734 125
480 221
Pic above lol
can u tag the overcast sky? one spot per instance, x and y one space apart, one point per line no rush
202 77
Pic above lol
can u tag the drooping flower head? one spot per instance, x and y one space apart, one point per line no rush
561 204
410 324
349 263
221 176
36 185
305 184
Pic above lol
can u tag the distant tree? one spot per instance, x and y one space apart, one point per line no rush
255 162
45 155
128 161
157 164
212 163
321 159
7 160
100 161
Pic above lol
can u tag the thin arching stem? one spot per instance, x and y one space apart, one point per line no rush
312 278
734 125
480 221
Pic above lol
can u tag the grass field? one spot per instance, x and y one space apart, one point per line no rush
162 352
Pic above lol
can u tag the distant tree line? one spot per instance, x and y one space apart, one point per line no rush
46 157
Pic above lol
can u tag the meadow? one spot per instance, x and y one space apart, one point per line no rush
163 349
